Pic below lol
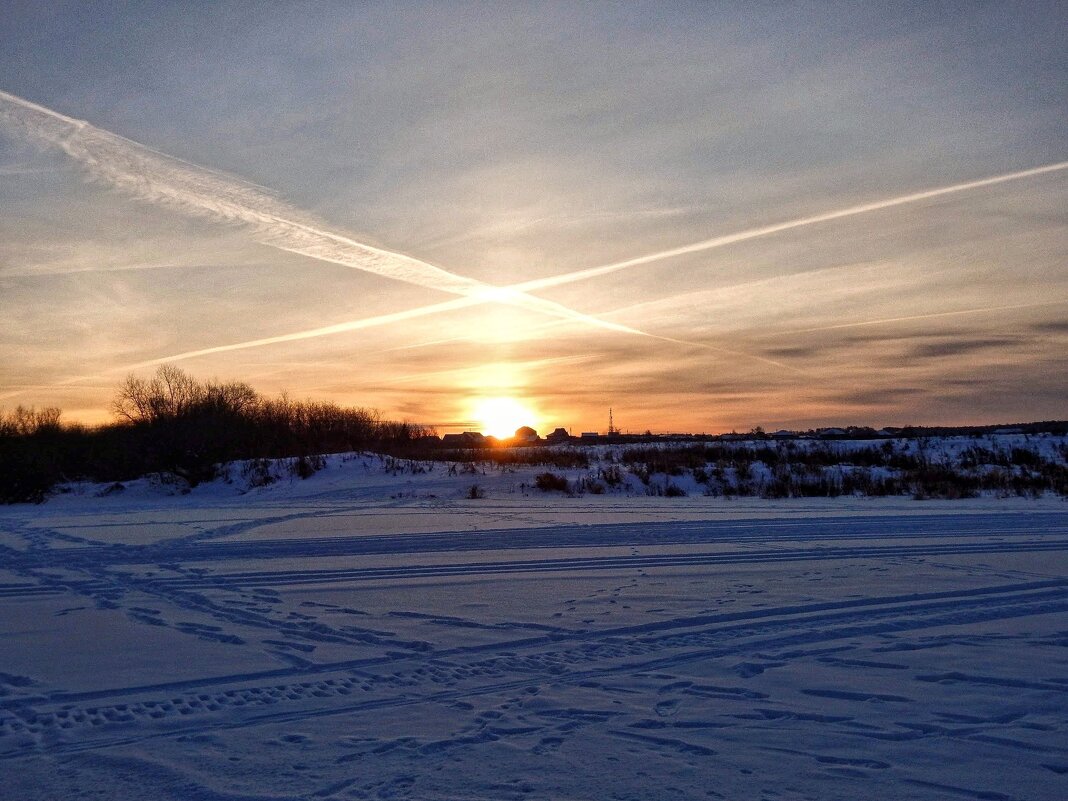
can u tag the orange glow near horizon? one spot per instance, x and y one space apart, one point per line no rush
500 417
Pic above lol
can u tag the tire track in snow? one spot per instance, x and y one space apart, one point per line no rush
601 535
586 564
253 579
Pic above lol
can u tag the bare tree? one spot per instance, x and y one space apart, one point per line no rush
26 421
170 393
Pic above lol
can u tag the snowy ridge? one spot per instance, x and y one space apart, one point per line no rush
988 466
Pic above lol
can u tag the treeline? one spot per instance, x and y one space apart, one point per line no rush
174 423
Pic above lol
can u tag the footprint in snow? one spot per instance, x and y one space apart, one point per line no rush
667 708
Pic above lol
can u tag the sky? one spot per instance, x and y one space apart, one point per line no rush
398 206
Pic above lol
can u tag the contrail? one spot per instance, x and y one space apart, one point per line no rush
767 230
158 178
311 333
592 272
162 179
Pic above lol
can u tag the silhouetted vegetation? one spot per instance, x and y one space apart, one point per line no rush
30 453
176 424
563 458
551 482
183 431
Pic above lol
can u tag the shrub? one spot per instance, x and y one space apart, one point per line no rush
548 482
257 473
591 485
611 475
306 466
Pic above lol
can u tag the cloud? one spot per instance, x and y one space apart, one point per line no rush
794 351
24 169
958 347
879 396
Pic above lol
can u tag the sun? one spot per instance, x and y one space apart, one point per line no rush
501 417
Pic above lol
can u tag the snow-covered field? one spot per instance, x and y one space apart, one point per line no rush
365 634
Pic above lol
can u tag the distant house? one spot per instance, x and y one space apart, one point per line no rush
827 433
468 439
525 435
782 433
588 435
558 436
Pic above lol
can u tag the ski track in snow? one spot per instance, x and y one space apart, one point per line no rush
253 653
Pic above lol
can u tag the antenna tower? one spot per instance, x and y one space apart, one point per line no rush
611 424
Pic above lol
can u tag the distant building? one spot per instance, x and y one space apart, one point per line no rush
782 433
468 439
589 435
558 436
525 435
827 433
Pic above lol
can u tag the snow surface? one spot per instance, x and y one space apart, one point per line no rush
370 633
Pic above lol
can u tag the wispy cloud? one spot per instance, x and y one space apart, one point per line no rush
929 316
24 169
959 347
44 270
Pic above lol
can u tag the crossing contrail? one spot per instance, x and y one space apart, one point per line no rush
593 272
189 188
163 179
167 181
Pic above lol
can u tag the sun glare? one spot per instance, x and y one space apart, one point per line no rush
502 416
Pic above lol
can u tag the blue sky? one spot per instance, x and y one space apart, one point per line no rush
507 143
